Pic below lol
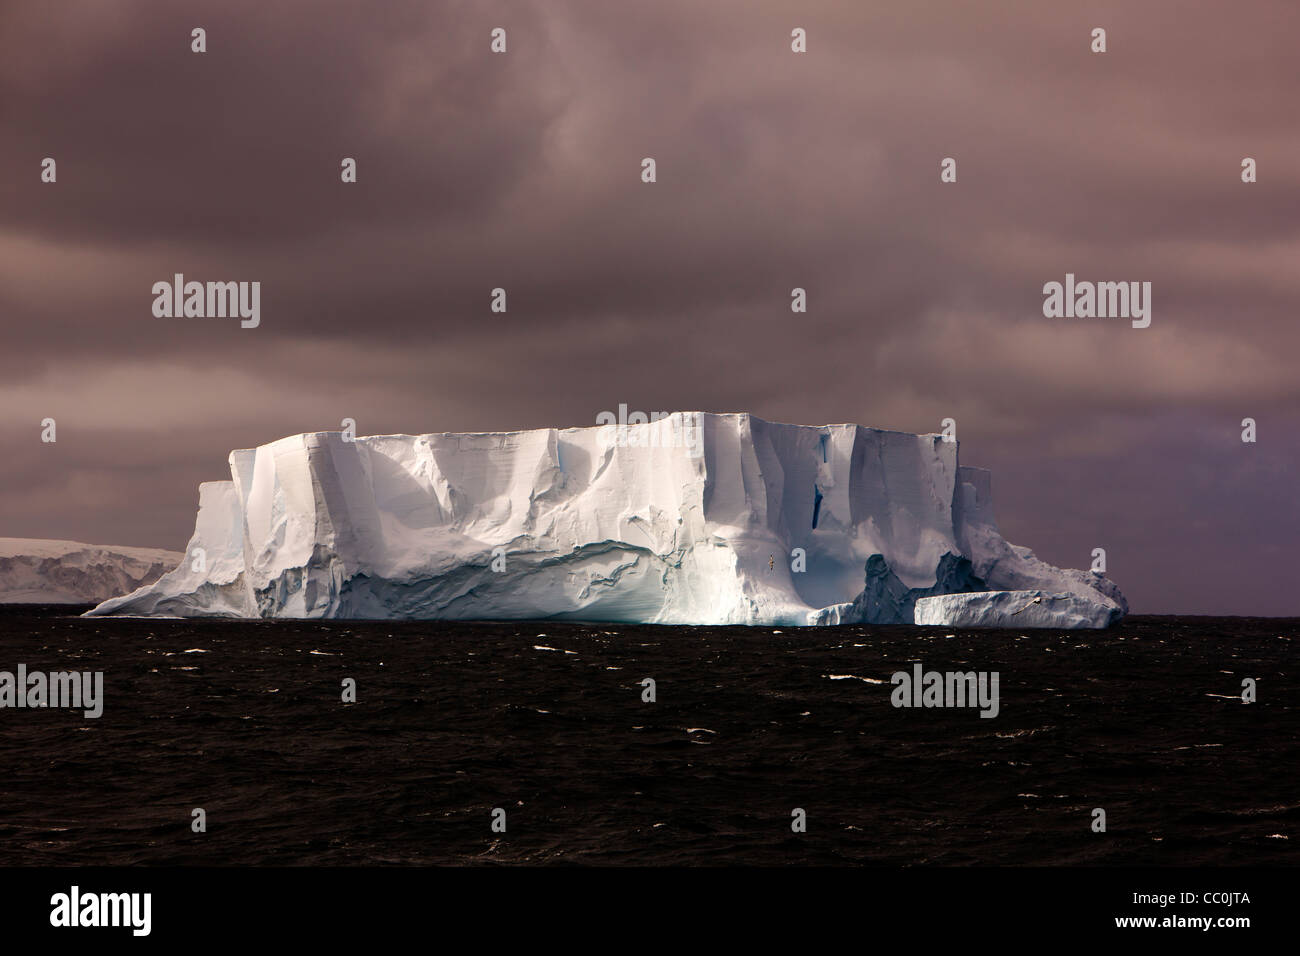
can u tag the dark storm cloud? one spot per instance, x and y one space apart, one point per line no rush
775 170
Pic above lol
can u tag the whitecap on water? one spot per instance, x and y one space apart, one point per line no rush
865 680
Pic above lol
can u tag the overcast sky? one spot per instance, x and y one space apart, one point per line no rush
775 170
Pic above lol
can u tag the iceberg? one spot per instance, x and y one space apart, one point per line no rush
693 518
1014 609
38 571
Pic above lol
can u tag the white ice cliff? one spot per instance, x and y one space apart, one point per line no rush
34 571
695 519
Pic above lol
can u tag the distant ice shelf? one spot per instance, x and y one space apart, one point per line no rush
694 519
38 571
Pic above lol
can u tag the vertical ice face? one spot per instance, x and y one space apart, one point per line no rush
694 519
209 580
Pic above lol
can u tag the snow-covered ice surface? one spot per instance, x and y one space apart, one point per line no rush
37 571
694 519
1014 609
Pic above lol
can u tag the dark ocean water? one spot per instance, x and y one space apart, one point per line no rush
245 720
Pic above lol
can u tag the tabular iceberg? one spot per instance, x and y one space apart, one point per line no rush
693 519
1014 609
